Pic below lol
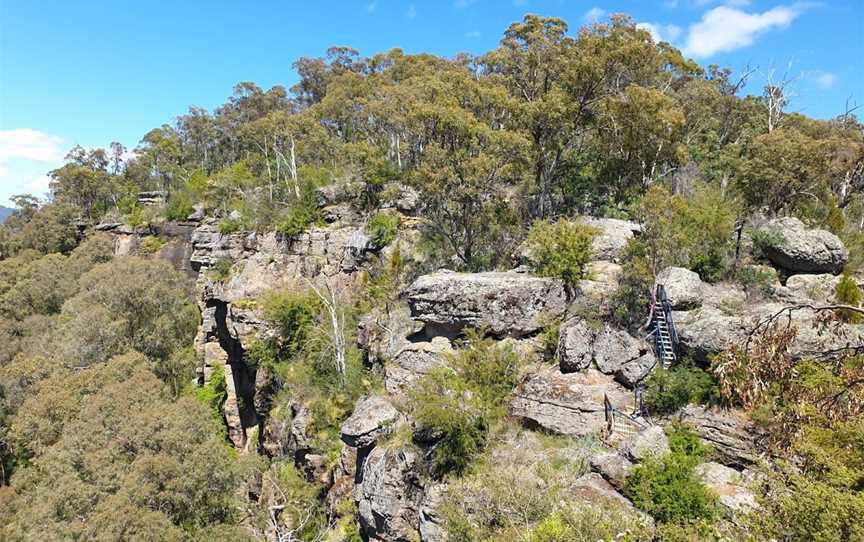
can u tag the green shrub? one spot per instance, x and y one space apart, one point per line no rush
763 240
228 226
757 279
179 207
561 249
293 315
151 244
848 292
302 214
629 303
668 390
221 270
213 393
667 487
382 229
456 404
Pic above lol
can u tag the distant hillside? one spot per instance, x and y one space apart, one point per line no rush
5 212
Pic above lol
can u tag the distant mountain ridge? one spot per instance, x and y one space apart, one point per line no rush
5 212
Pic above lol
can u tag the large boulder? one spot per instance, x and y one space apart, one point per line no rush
683 287
389 498
613 348
634 371
612 237
575 350
507 304
708 331
569 404
794 247
373 418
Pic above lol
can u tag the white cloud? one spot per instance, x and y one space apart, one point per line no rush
594 14
661 32
28 144
371 7
825 80
725 28
38 186
473 34
412 12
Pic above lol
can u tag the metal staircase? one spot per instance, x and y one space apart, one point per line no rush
663 329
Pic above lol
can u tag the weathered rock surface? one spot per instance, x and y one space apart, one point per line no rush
795 247
388 500
731 433
636 370
814 287
602 280
580 344
596 491
612 237
683 287
613 467
570 404
613 348
575 350
373 418
413 361
651 442
507 304
708 331
730 487
431 528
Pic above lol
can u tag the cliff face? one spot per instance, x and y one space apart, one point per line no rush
397 495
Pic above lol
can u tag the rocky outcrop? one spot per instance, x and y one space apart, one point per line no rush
575 349
388 500
730 433
683 287
569 404
794 247
651 442
636 370
613 467
708 331
732 488
414 361
610 350
505 304
373 418
613 348
613 235
813 287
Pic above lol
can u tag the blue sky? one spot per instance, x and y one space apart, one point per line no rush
89 72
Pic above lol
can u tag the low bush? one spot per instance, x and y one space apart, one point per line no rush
228 226
151 244
382 229
667 487
221 270
179 207
456 404
629 303
561 249
293 315
668 390
213 393
848 292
